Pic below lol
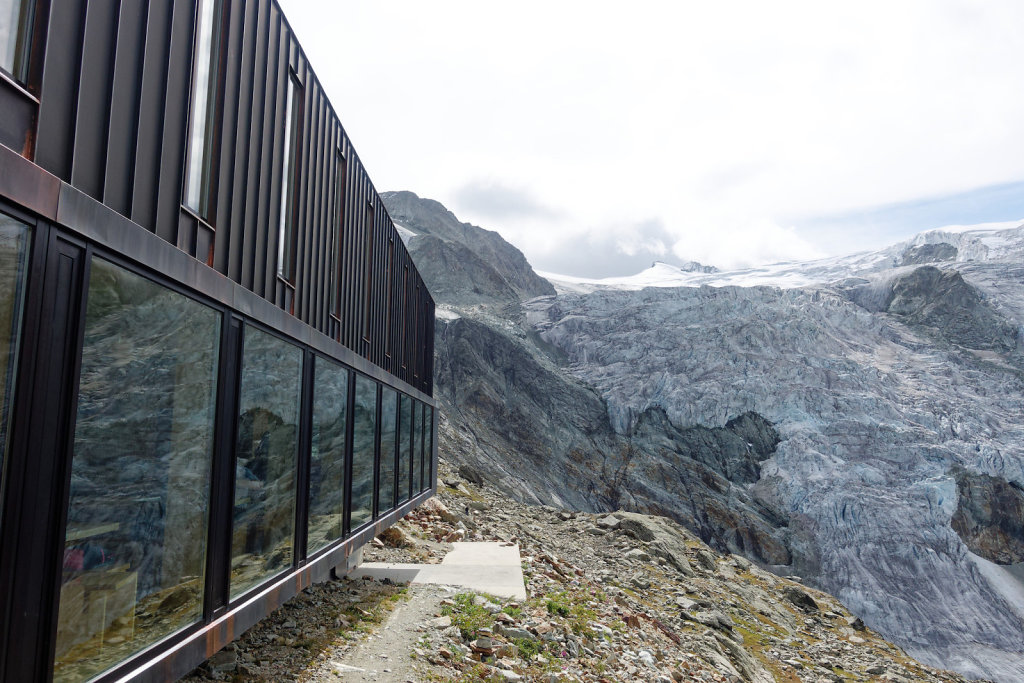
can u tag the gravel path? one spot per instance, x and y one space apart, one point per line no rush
387 655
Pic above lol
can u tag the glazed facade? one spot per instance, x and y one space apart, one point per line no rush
216 355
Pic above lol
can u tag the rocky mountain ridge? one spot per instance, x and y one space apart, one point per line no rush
880 380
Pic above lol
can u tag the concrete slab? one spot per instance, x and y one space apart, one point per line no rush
493 568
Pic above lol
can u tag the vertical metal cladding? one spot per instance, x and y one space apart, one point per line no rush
113 122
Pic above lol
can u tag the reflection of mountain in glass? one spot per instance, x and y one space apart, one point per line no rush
135 545
13 256
327 456
386 482
363 434
266 448
404 441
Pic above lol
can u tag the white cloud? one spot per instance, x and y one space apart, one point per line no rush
735 117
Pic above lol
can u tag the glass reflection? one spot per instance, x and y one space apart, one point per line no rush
16 17
327 456
265 452
14 240
386 477
364 432
428 447
417 441
135 544
404 452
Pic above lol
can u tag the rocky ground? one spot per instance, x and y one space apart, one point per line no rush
621 597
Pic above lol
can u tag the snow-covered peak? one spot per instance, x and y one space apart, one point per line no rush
984 242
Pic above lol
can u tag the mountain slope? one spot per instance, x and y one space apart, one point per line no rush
892 382
882 388
459 262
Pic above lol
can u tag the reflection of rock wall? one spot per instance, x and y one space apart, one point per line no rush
13 252
144 428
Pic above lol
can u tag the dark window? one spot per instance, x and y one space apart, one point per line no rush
386 477
405 316
327 454
339 217
16 17
286 234
423 445
389 286
135 545
404 445
364 435
367 269
265 452
199 170
14 241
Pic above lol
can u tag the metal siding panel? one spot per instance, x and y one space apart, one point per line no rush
172 159
315 226
271 103
302 235
244 107
259 110
151 113
92 122
55 132
226 237
124 106
274 193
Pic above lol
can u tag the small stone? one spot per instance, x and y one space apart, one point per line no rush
706 560
876 670
800 599
638 554
856 623
440 622
857 640
223 662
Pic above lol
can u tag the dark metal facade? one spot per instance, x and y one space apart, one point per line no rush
94 159
106 109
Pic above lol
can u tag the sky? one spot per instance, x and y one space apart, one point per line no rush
599 136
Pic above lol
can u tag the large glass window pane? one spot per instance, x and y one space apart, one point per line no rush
16 36
204 107
135 546
428 447
364 434
265 452
386 476
327 456
417 447
404 448
14 241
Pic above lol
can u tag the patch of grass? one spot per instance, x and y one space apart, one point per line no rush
572 605
467 615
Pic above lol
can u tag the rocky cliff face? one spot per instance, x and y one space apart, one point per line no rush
989 517
462 263
515 415
815 429
880 385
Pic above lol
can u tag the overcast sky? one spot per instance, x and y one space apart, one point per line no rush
599 136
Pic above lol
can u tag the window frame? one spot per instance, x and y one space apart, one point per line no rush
291 175
209 146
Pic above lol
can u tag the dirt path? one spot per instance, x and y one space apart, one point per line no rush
387 654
